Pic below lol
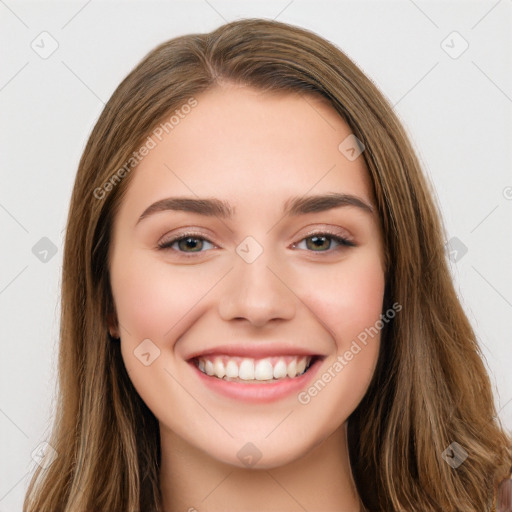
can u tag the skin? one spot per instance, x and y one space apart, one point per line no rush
255 150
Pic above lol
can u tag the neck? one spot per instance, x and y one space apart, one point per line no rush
193 481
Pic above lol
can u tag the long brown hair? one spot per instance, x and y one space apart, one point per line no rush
430 388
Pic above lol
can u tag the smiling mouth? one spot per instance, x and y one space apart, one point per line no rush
252 371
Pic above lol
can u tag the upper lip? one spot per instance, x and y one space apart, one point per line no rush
259 351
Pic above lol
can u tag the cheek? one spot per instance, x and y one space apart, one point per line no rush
349 304
151 299
348 300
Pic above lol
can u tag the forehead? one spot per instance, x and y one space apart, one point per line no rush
246 145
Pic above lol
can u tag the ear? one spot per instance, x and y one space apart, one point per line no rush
112 324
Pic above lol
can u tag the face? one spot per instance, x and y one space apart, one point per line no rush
256 294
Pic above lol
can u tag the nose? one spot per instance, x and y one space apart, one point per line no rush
258 293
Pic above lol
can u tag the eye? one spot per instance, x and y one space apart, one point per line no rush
190 243
185 241
323 240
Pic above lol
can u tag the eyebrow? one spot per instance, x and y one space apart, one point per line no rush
294 206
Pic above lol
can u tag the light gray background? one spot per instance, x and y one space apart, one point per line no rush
456 108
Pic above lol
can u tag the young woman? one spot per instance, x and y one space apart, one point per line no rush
257 312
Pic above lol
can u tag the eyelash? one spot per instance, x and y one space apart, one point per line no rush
344 242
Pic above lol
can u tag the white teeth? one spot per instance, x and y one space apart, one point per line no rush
263 370
280 370
301 366
218 368
246 371
292 369
252 370
208 366
231 369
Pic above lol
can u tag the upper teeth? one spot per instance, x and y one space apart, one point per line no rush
251 369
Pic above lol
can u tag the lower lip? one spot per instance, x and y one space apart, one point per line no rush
259 393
